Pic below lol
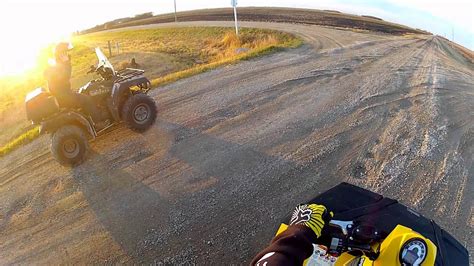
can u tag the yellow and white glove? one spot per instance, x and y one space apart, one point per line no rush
311 215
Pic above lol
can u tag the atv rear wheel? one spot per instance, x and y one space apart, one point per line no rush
139 112
69 145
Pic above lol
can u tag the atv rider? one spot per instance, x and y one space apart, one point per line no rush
58 76
295 244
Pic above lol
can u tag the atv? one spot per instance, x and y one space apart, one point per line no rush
120 95
368 229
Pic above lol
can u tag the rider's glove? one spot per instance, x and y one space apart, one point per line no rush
313 216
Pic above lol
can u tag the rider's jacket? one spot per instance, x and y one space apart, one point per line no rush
59 78
290 247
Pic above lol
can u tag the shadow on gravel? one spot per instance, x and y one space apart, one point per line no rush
126 208
248 181
221 158
250 184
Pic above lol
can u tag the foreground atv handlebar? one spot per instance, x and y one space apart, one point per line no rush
350 236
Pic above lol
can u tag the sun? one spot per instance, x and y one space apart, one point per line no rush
18 59
23 40
21 53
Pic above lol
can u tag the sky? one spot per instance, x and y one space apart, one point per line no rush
26 25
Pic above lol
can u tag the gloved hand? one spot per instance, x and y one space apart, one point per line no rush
313 216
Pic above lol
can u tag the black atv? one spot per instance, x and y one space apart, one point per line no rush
120 95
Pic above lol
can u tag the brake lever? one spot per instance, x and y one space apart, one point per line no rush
348 242
345 226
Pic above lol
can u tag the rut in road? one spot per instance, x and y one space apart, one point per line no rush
418 158
236 148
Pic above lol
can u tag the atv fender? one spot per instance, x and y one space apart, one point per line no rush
121 91
54 123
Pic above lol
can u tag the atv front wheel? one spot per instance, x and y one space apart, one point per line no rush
69 145
139 112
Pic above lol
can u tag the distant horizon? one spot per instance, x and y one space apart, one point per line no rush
304 8
211 8
50 21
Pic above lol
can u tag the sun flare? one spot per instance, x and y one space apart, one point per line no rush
26 38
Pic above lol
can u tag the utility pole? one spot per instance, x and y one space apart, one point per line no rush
234 4
175 15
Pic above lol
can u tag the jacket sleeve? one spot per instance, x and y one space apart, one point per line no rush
291 247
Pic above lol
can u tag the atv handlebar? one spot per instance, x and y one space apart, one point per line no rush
343 225
92 69
351 236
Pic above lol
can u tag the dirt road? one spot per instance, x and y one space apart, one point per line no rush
236 148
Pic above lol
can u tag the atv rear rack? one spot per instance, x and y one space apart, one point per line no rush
128 73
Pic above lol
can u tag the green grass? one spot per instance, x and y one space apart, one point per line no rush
23 139
188 51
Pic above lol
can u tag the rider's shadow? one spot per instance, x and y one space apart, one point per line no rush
127 208
252 184
247 182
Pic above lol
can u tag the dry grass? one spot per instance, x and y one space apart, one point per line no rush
229 44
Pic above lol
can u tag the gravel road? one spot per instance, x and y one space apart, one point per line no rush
236 148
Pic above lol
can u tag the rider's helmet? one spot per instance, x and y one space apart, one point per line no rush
61 51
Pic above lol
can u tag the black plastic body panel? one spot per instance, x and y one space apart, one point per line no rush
66 118
121 91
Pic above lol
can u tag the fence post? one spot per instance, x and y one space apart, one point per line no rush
118 47
110 49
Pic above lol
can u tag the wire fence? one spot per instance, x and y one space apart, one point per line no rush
113 48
